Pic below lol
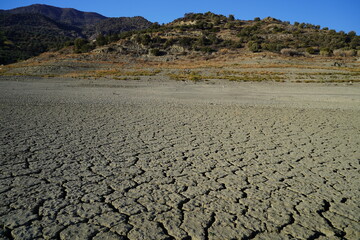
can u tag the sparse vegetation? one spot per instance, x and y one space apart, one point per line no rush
101 40
204 33
82 46
208 34
291 52
254 46
345 53
155 52
228 75
122 73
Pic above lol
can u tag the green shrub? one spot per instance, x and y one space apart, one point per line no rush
155 52
277 29
272 47
291 52
169 43
101 40
82 46
112 38
254 46
249 31
204 25
345 53
355 42
69 43
312 51
203 41
207 50
125 35
326 52
230 44
155 25
143 39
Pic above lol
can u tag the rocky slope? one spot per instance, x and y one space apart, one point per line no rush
210 33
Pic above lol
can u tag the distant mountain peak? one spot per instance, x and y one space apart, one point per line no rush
30 30
69 16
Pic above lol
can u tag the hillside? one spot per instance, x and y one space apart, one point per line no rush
111 26
213 34
27 35
195 34
28 31
68 16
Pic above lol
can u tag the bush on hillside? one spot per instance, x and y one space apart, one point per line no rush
82 46
186 41
326 52
101 40
254 46
291 52
355 43
312 51
345 53
143 39
155 52
272 47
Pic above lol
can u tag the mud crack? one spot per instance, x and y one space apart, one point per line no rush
208 225
326 207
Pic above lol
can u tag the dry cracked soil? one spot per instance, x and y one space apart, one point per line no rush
118 161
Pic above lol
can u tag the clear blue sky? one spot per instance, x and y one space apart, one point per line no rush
336 14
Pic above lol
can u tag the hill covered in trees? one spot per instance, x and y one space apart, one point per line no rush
210 33
28 31
23 35
68 16
114 26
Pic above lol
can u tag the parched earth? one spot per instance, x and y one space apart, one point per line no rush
101 163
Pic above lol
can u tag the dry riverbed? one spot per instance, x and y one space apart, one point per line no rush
93 159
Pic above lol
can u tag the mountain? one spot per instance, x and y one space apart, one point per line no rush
28 31
27 35
212 35
68 16
117 25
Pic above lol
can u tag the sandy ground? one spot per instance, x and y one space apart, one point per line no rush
109 159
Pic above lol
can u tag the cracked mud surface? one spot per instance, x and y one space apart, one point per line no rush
100 163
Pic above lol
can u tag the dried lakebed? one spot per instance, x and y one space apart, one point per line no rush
115 161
